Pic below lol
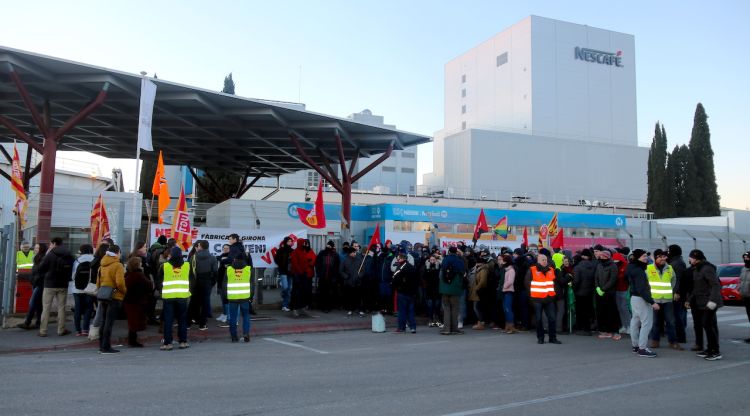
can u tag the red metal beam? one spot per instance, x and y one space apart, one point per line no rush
328 165
27 168
378 161
7 155
21 135
73 121
353 163
6 176
26 97
332 180
250 185
242 183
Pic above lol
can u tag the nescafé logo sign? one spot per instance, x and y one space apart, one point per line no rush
599 57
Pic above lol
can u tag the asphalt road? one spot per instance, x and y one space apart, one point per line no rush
361 373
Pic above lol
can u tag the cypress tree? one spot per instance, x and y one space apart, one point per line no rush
227 182
686 198
670 196
703 159
657 162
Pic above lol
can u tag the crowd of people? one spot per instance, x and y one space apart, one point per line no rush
595 291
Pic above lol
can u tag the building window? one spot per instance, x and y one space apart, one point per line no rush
408 155
312 180
407 170
463 92
463 109
463 125
502 59
463 78
411 188
389 169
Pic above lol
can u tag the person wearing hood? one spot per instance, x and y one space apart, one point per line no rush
541 280
622 292
351 272
84 303
584 274
282 258
405 283
607 317
703 301
327 265
684 284
745 286
303 269
175 293
641 302
204 268
56 269
238 293
111 274
371 278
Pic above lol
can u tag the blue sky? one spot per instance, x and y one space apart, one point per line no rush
388 56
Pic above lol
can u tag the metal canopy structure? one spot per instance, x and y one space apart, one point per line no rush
54 104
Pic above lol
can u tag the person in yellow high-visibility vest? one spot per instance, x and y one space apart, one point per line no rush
662 279
175 294
239 278
24 257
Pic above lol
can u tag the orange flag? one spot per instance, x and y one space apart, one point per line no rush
315 217
182 231
17 184
99 222
160 188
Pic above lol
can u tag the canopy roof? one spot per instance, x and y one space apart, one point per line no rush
193 126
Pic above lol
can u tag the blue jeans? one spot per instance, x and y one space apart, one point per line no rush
235 308
433 309
406 312
550 309
286 289
508 306
664 316
623 308
175 309
462 307
84 305
680 320
35 305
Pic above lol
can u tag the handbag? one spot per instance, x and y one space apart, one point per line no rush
90 289
105 293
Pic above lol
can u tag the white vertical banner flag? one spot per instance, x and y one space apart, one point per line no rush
148 95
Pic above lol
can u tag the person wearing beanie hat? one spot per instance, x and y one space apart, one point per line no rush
584 282
684 285
327 264
622 294
663 281
175 297
642 304
703 301
607 317
745 285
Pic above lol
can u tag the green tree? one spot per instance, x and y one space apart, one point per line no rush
681 170
703 158
228 182
656 172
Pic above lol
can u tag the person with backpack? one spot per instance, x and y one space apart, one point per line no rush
84 303
57 269
451 288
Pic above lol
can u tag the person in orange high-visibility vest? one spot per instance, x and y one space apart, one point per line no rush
540 282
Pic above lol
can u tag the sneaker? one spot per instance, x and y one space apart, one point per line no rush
413 331
184 345
647 353
349 314
224 324
703 354
109 351
439 325
202 328
604 335
555 341
23 325
713 356
361 314
635 350
222 318
246 338
285 309
616 337
431 325
460 325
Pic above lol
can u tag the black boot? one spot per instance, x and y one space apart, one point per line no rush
133 340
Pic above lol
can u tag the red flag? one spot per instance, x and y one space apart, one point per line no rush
17 184
99 222
182 231
375 238
481 226
552 226
559 241
525 236
316 217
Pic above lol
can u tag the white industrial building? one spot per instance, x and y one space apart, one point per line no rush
545 110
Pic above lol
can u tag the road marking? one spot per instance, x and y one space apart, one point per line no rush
564 396
732 318
417 344
292 344
742 325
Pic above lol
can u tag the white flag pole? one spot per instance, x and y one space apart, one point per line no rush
137 176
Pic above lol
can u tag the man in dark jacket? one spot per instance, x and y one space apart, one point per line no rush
57 270
607 317
451 287
704 300
642 304
684 286
405 283
204 268
520 295
221 285
351 272
283 262
327 265
583 288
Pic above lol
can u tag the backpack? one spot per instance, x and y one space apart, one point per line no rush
154 255
449 274
83 275
64 266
